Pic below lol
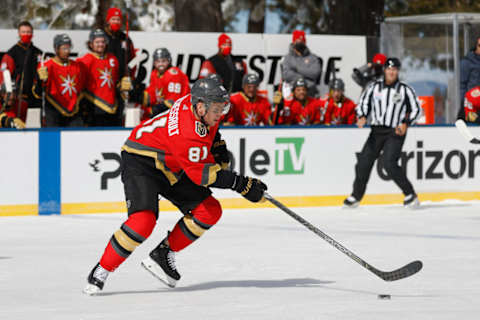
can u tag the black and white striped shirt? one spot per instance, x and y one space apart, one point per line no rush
389 105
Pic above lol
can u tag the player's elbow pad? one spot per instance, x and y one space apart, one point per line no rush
225 179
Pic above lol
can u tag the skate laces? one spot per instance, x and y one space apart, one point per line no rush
171 260
100 273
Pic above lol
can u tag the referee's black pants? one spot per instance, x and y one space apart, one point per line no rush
381 138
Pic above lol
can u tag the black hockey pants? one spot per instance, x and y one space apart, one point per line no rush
380 138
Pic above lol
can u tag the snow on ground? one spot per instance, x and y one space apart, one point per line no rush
255 264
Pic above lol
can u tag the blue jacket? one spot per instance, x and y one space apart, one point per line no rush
469 73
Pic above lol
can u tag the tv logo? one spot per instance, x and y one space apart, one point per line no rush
289 156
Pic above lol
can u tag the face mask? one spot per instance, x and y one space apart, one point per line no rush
300 47
115 26
226 51
26 38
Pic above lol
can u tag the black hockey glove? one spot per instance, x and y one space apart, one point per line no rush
250 188
220 154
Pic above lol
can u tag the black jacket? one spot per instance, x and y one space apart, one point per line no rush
26 60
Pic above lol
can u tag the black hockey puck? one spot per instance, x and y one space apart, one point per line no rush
384 296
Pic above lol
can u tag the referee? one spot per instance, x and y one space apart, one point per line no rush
393 106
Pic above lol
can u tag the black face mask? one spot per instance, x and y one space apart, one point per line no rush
300 47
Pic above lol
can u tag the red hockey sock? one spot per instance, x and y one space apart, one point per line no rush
191 227
131 234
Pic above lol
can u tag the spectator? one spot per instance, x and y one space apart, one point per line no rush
370 71
338 108
63 81
247 107
103 90
231 69
302 109
300 62
21 60
167 84
469 74
122 48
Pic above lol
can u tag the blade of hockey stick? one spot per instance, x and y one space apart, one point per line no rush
463 129
400 273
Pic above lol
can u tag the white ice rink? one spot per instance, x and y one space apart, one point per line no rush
254 264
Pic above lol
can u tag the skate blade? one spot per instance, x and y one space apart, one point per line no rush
91 290
152 267
414 205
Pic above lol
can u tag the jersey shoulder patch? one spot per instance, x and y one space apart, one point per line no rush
200 129
173 71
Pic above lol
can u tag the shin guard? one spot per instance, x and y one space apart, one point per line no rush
131 234
191 227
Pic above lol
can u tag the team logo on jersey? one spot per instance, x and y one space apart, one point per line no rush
106 77
200 129
173 71
68 85
250 118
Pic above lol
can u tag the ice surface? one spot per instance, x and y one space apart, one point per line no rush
255 264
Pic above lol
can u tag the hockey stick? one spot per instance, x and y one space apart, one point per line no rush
400 273
126 71
463 129
44 88
7 80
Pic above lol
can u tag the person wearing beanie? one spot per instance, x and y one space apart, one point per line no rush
21 61
230 68
300 62
62 80
369 72
123 49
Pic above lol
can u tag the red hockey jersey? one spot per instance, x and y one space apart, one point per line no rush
178 142
472 101
64 85
102 79
248 113
339 113
294 112
171 85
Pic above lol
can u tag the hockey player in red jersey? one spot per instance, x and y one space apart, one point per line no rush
472 105
338 108
63 80
175 155
167 84
104 89
302 109
248 108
